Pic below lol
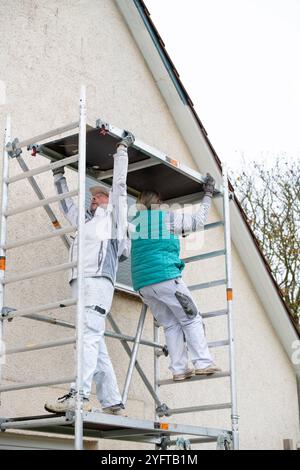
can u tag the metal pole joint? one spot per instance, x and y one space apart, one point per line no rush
5 311
163 410
13 149
34 149
103 126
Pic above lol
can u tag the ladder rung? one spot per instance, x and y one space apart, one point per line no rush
207 285
41 203
195 378
211 254
216 313
41 308
23 386
39 272
35 347
192 409
42 169
218 344
214 225
196 440
46 236
47 135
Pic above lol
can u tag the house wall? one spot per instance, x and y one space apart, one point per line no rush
48 49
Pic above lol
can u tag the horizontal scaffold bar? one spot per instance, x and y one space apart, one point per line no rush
214 225
215 313
38 346
51 320
211 254
41 203
194 409
218 344
39 272
47 383
195 378
208 285
40 423
47 135
42 169
39 238
40 308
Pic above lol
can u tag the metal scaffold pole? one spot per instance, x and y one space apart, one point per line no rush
156 361
80 271
3 230
229 296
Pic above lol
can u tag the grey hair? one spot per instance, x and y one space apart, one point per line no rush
147 199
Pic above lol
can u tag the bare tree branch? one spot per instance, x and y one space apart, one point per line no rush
270 197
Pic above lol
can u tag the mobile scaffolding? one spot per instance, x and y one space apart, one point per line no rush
86 151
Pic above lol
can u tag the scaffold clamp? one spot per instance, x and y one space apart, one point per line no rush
34 149
103 126
13 149
162 410
5 311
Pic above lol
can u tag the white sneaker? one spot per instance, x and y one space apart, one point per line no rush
184 375
117 409
213 369
67 403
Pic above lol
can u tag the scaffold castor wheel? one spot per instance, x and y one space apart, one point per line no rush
164 443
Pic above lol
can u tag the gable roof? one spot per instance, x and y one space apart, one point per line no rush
141 5
195 136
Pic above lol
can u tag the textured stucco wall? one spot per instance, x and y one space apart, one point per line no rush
48 49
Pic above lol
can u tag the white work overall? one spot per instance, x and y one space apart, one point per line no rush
97 366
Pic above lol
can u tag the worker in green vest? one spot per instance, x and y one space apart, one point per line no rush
156 270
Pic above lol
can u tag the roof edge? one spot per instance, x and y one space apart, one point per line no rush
185 98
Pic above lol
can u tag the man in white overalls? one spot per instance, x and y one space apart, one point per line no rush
106 243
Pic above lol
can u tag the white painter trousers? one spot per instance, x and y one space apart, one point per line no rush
97 366
175 310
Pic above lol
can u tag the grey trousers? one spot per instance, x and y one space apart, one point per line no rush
175 310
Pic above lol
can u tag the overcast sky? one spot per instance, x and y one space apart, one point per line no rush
239 60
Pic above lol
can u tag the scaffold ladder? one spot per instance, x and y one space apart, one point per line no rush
97 424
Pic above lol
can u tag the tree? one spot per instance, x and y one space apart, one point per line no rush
270 197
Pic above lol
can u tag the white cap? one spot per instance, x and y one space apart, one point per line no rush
99 189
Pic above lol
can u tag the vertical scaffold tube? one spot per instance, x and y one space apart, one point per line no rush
80 271
229 298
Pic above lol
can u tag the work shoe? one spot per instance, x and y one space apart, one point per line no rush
117 409
213 369
67 403
185 375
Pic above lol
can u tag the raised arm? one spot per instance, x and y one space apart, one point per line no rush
67 206
119 196
181 223
119 187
